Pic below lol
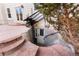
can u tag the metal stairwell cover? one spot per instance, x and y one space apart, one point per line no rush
53 40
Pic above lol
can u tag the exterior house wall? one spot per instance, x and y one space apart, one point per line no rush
3 14
1 17
28 9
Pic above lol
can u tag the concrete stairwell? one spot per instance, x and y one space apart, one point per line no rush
5 47
23 47
18 47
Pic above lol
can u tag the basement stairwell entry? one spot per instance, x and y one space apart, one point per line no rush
20 40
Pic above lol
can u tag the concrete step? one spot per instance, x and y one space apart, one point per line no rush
25 49
10 45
